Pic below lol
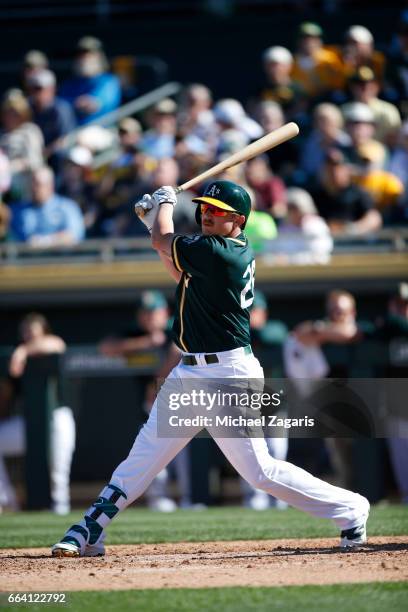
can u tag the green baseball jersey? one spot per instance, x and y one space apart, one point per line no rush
214 293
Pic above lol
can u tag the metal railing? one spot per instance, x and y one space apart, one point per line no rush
392 240
126 110
102 250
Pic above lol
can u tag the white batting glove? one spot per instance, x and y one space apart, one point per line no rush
165 194
146 210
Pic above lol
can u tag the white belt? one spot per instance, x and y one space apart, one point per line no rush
204 359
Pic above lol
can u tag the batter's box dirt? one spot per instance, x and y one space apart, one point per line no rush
207 564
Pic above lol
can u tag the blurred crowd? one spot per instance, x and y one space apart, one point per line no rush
346 174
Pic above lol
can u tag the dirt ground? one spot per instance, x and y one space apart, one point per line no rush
207 564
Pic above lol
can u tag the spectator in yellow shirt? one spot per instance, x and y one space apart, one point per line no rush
385 188
358 50
316 69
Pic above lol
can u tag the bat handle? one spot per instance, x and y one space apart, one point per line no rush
178 189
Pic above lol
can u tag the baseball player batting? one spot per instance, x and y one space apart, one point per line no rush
215 275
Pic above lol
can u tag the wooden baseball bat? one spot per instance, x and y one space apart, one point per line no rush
271 140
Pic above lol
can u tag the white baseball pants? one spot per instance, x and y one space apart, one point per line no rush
249 456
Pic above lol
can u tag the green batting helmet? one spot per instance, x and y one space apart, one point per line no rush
227 196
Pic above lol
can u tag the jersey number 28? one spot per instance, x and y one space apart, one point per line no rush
247 294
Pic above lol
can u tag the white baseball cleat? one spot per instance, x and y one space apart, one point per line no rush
70 549
352 538
65 549
355 536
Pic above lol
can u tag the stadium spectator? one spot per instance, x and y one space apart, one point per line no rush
196 131
364 88
129 132
33 61
230 115
345 206
193 156
96 138
129 137
385 188
48 219
341 325
159 141
283 159
37 340
279 86
21 140
148 331
358 50
316 69
195 117
167 173
235 174
77 183
303 236
229 141
360 126
327 133
116 192
270 190
304 360
54 116
93 91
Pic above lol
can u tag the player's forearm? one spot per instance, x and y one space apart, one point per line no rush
163 229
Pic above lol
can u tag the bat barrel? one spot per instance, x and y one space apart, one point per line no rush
269 141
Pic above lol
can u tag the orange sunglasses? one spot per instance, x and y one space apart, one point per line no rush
217 212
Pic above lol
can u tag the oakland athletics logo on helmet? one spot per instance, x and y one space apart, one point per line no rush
227 196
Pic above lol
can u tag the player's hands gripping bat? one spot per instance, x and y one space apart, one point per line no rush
146 208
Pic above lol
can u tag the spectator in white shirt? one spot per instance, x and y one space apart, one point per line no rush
305 236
